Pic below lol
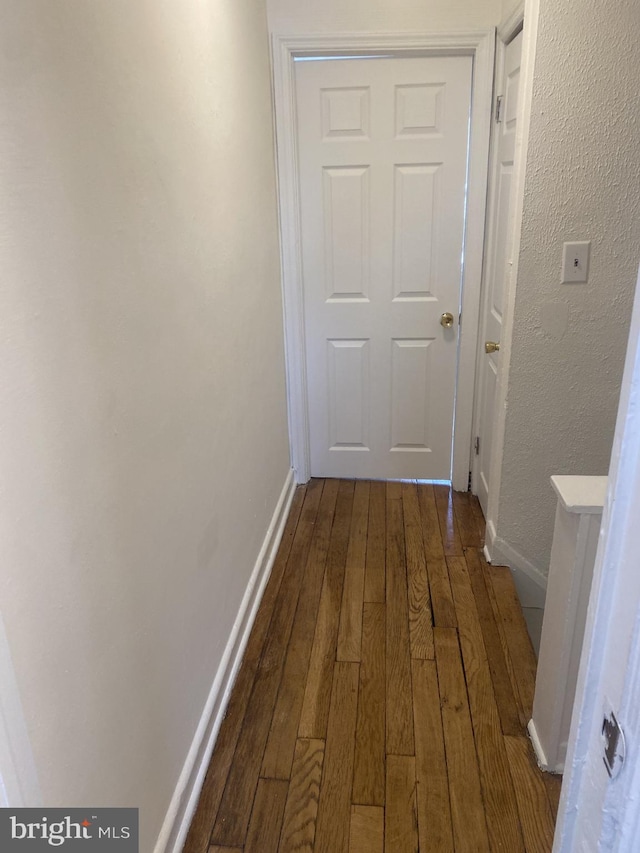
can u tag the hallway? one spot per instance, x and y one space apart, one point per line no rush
382 699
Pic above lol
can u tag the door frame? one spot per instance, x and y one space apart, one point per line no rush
480 45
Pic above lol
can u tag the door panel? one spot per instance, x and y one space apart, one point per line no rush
349 410
414 261
382 148
498 261
410 404
346 203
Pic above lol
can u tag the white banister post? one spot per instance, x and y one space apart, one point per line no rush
575 540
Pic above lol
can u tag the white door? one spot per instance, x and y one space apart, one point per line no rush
498 261
383 150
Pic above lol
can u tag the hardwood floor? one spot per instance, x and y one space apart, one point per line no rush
382 700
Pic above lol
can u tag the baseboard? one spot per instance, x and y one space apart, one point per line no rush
530 582
185 798
541 758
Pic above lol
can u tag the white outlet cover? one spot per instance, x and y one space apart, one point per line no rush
575 262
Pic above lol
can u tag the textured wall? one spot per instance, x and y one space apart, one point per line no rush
143 431
306 16
583 183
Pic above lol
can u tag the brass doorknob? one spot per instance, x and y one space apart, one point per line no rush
446 320
491 346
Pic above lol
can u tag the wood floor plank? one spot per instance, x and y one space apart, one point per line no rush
401 817
399 718
334 810
357 547
215 849
479 517
301 810
500 806
317 696
369 763
197 840
516 635
433 549
350 629
451 543
394 490
486 570
533 805
502 684
439 587
266 818
278 755
367 829
553 784
374 582
444 611
467 809
466 520
434 811
230 828
420 617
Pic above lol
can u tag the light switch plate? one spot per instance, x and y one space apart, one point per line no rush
575 262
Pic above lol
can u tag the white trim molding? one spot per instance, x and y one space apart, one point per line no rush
541 757
480 45
187 792
512 24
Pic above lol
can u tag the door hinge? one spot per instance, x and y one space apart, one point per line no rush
499 102
469 483
613 744
476 444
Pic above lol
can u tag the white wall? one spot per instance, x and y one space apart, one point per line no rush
508 7
583 183
309 16
143 434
